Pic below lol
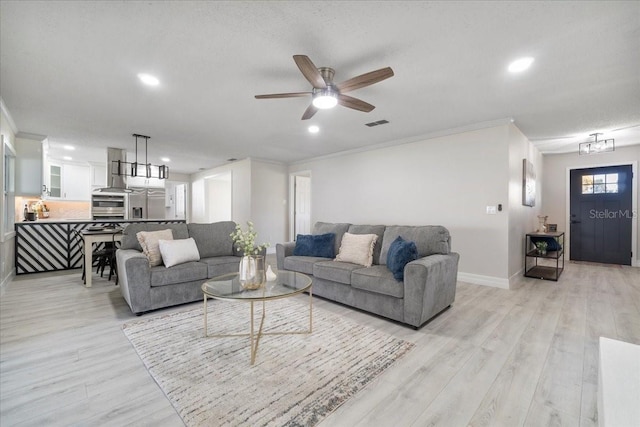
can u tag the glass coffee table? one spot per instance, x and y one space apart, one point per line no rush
228 288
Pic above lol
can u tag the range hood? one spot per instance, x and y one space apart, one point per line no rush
117 184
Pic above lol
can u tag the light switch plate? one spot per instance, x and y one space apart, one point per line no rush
491 210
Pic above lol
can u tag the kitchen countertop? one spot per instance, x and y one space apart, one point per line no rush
91 221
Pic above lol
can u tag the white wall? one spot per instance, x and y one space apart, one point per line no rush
447 181
555 185
7 237
258 194
522 219
218 197
240 191
269 184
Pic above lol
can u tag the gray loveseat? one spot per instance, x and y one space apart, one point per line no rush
429 284
148 288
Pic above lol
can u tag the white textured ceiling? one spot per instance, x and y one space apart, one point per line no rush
68 71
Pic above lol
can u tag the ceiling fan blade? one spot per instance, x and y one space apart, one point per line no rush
283 95
309 112
310 71
355 103
366 79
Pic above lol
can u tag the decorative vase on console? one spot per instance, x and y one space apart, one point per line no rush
252 267
542 221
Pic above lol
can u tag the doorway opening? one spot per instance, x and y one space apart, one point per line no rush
300 207
602 215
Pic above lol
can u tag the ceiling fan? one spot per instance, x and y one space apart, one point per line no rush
327 94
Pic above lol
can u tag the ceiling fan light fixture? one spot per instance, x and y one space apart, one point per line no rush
325 99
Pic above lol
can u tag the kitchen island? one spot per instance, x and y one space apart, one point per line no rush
48 244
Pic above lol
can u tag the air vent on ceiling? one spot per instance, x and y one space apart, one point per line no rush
379 122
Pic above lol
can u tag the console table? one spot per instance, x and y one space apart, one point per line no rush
545 266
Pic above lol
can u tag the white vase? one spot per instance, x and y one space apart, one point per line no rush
271 276
251 273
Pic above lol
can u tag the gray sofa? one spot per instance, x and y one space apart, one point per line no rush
148 288
429 284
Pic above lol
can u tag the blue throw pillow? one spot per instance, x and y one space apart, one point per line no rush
401 252
320 245
552 244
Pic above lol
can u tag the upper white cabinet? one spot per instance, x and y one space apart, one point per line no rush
68 181
98 175
28 163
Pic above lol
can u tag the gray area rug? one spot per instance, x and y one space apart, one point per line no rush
297 380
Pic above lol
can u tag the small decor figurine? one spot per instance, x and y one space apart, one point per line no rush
252 271
541 247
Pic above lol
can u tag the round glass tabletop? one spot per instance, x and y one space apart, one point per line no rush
228 287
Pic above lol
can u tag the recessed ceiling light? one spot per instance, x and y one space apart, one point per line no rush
148 79
520 65
69 147
165 159
313 129
67 158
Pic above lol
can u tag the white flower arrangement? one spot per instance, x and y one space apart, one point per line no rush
245 241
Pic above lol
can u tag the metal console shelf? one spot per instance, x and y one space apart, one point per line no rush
548 266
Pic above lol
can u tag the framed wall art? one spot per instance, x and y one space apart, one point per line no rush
528 183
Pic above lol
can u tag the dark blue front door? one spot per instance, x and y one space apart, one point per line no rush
601 214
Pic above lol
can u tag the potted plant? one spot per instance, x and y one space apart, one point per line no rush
252 266
541 247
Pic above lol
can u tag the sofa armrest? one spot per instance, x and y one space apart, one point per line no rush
284 250
429 286
134 277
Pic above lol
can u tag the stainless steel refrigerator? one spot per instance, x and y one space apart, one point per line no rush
146 203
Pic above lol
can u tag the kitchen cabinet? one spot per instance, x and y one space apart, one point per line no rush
28 167
68 181
98 176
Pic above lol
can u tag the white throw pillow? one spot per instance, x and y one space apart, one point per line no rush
149 242
357 248
176 252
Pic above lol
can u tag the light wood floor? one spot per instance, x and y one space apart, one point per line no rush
507 358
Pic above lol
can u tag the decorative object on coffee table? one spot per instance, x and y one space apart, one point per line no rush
252 270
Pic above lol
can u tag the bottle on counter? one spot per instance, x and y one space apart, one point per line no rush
26 211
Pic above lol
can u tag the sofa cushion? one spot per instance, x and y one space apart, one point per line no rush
327 227
377 279
429 239
187 272
217 266
357 248
370 229
149 241
401 252
335 271
176 252
301 264
130 240
318 245
213 239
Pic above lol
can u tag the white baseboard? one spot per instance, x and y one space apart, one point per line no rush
635 262
477 279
